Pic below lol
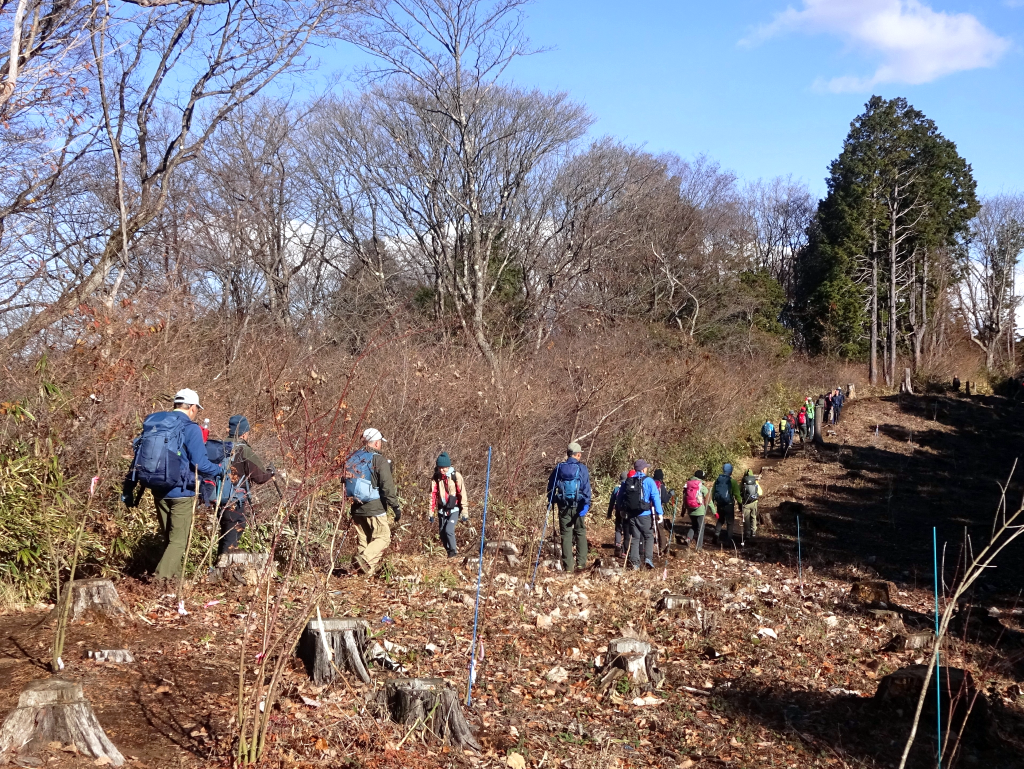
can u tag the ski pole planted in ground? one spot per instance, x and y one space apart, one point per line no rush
479 577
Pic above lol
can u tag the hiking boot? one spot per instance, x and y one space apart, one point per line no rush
648 565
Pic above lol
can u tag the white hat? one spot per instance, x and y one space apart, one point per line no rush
187 397
371 434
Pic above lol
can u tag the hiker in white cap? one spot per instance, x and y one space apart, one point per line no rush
368 483
168 455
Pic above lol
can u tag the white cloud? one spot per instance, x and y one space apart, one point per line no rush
916 44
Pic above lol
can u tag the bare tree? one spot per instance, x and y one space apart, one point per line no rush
777 213
987 297
472 144
173 74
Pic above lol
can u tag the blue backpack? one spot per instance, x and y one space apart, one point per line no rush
358 479
768 431
160 462
217 491
723 489
567 490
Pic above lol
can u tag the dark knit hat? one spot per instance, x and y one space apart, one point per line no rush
237 425
699 474
444 460
659 474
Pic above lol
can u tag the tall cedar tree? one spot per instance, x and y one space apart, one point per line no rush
898 194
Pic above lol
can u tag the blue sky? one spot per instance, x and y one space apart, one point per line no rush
768 87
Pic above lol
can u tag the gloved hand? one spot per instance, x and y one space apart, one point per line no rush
398 514
463 516
583 512
430 519
271 469
128 495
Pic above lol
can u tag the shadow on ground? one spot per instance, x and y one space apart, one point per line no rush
926 461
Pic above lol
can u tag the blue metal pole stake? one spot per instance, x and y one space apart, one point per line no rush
479 577
938 670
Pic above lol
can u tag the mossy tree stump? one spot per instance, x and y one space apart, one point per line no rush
431 704
330 646
54 710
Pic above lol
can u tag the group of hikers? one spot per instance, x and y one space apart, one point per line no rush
177 460
802 423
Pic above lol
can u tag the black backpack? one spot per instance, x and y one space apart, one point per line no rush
749 489
631 494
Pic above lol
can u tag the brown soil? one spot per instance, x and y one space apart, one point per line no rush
734 695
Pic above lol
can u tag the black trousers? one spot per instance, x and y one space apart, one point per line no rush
232 524
641 531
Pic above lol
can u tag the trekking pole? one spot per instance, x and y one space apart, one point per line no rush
544 531
479 578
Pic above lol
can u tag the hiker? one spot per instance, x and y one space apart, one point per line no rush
696 502
827 416
726 494
664 527
246 468
620 521
809 404
638 496
801 420
785 435
837 405
447 501
168 455
371 487
768 434
750 492
569 488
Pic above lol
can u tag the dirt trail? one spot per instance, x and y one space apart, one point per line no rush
894 468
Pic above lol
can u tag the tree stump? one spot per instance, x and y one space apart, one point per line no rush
238 567
432 705
633 659
677 604
330 646
961 699
93 596
912 641
502 547
875 592
54 710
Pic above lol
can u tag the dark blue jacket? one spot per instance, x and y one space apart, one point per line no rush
566 471
195 451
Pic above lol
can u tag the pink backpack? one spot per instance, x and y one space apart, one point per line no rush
693 500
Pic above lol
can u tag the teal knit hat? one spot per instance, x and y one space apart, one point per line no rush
444 460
